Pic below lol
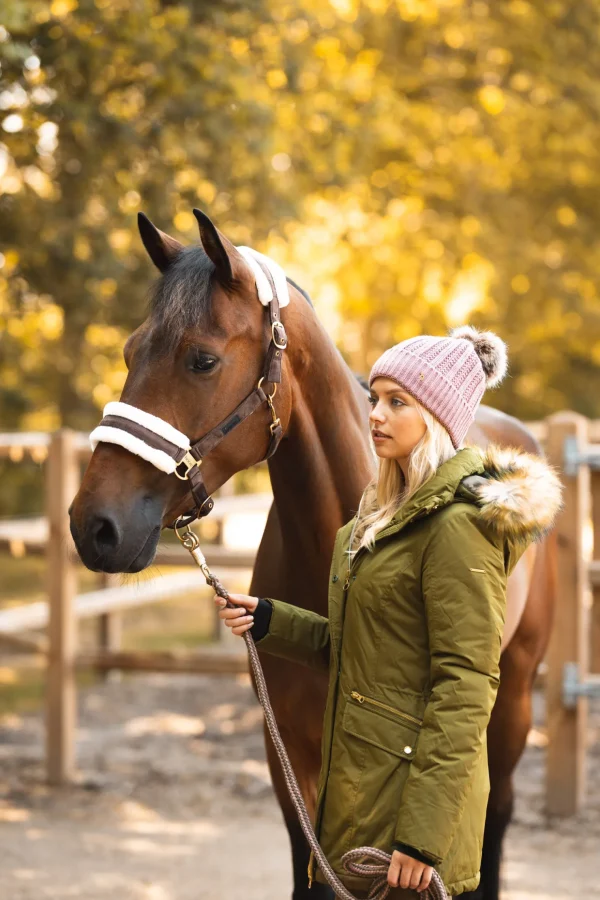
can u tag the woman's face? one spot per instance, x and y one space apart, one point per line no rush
395 422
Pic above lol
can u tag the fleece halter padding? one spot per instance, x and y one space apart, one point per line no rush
112 434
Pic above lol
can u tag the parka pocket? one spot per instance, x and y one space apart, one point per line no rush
381 725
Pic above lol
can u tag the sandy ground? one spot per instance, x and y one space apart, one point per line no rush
175 802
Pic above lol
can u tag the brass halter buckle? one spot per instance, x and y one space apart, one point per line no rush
189 462
278 324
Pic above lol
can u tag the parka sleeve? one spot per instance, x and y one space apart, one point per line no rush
297 634
464 593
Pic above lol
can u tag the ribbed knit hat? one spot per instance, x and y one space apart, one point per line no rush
448 375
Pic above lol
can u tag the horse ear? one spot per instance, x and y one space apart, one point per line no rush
215 247
162 248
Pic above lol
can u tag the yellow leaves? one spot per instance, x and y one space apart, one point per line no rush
469 289
521 81
104 336
433 249
34 327
297 31
129 202
566 216
308 80
380 178
276 78
206 191
411 10
95 211
120 240
281 162
239 47
492 99
51 322
346 9
186 179
454 36
326 47
61 8
184 221
520 284
126 104
81 248
470 226
553 254
11 261
499 56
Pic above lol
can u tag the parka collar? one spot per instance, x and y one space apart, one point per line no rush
518 494
439 491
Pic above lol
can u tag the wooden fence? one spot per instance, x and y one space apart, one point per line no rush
63 453
571 669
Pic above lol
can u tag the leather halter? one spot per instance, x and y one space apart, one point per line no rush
188 460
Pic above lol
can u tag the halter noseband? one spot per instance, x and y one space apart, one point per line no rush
168 449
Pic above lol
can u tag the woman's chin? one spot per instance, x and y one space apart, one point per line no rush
385 450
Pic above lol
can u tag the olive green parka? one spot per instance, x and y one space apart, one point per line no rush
412 648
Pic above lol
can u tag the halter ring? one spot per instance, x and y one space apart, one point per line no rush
269 396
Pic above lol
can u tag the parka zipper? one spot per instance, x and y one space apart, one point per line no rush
362 699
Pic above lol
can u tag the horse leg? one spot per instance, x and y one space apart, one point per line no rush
307 781
507 735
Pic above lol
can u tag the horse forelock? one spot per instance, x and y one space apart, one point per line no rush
180 298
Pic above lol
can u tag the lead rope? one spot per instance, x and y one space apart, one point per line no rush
380 886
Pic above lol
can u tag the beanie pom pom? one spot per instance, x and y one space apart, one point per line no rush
490 349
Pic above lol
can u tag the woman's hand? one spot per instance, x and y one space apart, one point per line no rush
239 619
413 874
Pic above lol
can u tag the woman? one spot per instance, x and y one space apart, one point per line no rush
417 598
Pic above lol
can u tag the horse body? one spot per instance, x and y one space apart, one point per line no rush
317 474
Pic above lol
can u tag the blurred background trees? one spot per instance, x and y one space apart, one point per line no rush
414 164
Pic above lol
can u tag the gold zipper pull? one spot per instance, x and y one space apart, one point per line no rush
347 582
310 859
356 696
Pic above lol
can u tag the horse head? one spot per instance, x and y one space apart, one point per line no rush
199 352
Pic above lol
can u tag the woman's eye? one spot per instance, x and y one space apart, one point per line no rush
372 400
204 362
398 402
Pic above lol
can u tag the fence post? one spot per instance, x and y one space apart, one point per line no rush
109 628
595 612
62 476
566 765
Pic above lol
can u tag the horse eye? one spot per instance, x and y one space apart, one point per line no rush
204 362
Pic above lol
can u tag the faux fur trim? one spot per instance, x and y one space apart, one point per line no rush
265 292
520 494
111 435
152 423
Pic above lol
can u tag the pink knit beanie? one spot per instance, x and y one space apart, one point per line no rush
448 375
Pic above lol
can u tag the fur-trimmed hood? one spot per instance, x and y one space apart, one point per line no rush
518 493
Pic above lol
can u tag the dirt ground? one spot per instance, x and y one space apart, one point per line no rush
175 802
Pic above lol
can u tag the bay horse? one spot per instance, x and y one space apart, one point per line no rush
196 355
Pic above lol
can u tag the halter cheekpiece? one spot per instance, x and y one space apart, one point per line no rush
171 451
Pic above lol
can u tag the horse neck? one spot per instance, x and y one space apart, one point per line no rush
324 462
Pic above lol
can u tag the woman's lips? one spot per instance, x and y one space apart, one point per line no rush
378 436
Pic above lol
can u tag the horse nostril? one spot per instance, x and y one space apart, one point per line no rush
106 533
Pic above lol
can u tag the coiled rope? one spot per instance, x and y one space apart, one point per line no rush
380 887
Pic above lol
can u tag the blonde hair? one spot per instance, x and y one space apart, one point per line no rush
386 493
